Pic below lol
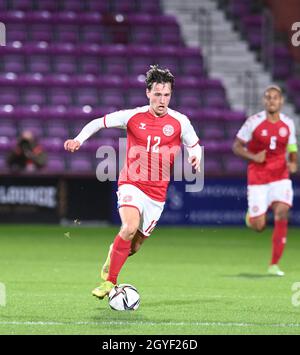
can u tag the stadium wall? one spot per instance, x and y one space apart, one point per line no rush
60 199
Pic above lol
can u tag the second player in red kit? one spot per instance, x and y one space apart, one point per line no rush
268 141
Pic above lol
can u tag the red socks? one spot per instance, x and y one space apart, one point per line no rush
278 240
119 254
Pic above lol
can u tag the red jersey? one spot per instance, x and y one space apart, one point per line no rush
261 134
152 143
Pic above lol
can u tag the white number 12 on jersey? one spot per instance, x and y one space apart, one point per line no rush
155 147
273 142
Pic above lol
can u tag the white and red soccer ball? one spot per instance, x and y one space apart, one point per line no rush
124 297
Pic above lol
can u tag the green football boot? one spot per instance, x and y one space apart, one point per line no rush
103 290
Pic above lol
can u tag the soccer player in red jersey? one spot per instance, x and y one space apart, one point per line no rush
152 132
265 140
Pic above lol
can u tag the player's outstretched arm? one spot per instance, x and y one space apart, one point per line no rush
87 131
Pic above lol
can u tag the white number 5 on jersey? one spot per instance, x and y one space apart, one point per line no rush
273 142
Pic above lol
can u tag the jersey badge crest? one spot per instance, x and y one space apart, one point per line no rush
283 132
168 130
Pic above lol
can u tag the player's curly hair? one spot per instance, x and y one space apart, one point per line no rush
158 75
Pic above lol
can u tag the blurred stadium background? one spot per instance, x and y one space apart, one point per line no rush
67 62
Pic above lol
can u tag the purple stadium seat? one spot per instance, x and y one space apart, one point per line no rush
109 142
80 163
297 103
212 132
90 146
73 5
17 32
283 63
13 17
6 144
68 33
31 112
57 129
102 6
252 21
142 29
238 9
55 112
3 165
169 34
189 91
8 128
114 59
13 63
112 97
191 61
41 32
93 33
55 163
66 64
60 96
86 90
143 35
34 95
59 92
149 7
124 7
234 121
32 90
111 91
89 58
135 92
139 58
9 92
48 5
21 4
294 84
212 165
52 144
34 125
111 133
86 96
3 6
235 165
39 63
167 57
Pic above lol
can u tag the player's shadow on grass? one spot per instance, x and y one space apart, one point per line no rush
251 276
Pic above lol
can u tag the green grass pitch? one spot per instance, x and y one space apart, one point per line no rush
191 281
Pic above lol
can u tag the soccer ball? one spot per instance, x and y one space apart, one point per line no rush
124 297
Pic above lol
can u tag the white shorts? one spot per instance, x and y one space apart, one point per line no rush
150 210
261 197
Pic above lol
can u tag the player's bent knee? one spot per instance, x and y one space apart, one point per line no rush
281 215
128 231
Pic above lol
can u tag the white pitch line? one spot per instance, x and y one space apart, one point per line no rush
197 324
